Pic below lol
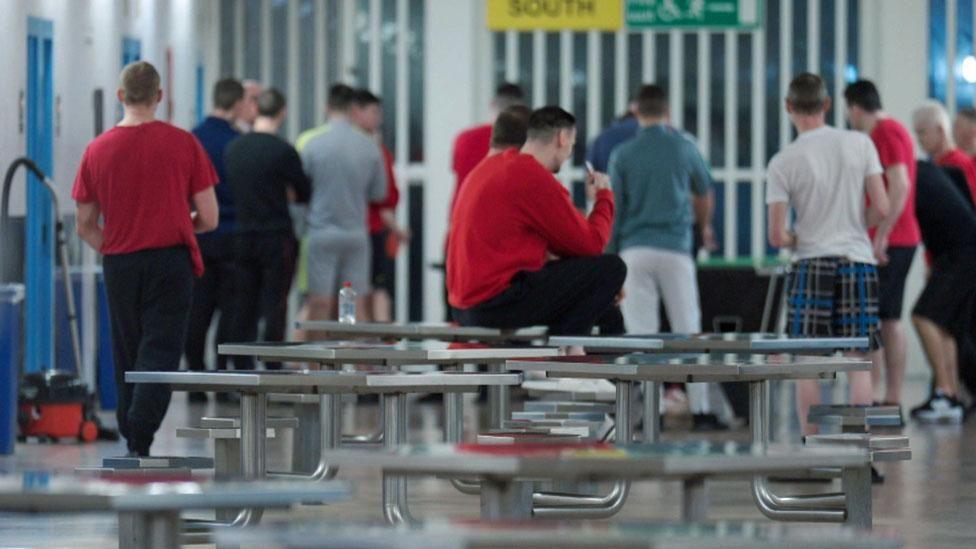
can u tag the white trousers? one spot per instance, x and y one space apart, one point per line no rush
654 274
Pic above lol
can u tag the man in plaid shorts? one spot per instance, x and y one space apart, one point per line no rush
824 176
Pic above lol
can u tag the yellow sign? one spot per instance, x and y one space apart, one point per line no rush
552 15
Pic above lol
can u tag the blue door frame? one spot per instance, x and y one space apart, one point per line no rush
39 242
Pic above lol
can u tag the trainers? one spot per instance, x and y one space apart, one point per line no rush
940 408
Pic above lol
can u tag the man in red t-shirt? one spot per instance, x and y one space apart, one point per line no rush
931 122
471 145
964 131
385 233
897 154
141 178
511 217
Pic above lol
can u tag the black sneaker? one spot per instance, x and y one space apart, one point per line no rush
939 408
707 423
197 397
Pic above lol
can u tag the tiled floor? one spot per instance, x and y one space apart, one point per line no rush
931 500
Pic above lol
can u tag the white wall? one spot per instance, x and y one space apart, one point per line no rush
894 53
454 38
87 55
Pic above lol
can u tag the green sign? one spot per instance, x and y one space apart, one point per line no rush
694 13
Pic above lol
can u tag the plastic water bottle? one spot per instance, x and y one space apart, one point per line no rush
347 304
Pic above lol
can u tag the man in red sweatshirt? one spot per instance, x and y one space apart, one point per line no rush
511 217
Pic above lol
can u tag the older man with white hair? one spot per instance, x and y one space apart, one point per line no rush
934 131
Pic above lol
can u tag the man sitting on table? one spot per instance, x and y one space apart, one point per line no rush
511 217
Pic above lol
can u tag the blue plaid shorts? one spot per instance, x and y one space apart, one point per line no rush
834 297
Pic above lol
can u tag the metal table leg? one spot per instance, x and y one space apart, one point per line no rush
652 411
594 507
454 434
857 486
506 499
329 417
395 502
812 508
307 439
149 530
694 501
499 400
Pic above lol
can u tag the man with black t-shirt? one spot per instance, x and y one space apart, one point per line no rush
263 170
944 311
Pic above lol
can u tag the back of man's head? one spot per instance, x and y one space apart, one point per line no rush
508 95
226 93
364 98
340 98
863 94
139 82
270 103
511 127
547 122
651 101
807 94
968 114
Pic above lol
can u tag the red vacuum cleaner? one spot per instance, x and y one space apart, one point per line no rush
55 405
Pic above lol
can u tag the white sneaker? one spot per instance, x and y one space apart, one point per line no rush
940 409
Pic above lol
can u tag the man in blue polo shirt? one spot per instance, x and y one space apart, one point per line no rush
214 290
662 186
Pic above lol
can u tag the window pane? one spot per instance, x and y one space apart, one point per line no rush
553 64
635 61
828 27
279 52
853 24
662 59
690 76
579 94
361 67
526 64
716 113
964 49
252 39
333 59
307 109
774 102
499 50
388 88
799 36
416 44
228 15
744 100
608 73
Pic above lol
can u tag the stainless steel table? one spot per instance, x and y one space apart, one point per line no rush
711 343
506 472
466 534
334 354
421 331
757 370
149 513
254 388
703 343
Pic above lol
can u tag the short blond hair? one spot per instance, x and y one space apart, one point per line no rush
140 83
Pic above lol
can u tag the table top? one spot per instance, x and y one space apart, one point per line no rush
463 534
325 381
422 330
700 343
47 492
683 368
598 461
402 353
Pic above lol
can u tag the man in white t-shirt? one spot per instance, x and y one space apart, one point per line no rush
824 176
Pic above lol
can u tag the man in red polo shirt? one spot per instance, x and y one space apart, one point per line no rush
142 178
896 150
513 215
934 131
